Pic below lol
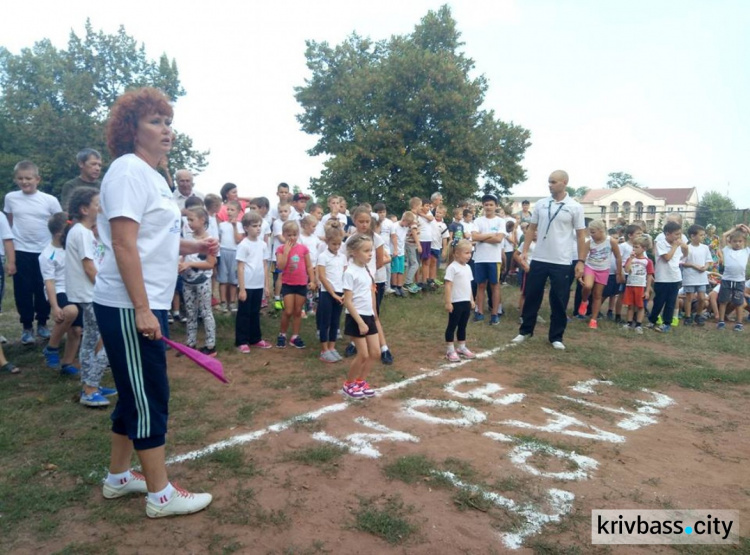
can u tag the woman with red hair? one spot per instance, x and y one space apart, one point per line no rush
139 225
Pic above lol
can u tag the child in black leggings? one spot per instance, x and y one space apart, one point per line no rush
459 301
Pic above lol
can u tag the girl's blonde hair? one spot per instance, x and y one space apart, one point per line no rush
289 225
200 212
409 216
356 242
333 232
597 224
309 220
364 209
462 245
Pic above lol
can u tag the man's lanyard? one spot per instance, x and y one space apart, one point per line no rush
550 217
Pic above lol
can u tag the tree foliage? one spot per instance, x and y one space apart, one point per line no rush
577 192
54 102
402 117
717 209
620 179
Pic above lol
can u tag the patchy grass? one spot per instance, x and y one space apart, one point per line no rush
324 456
386 520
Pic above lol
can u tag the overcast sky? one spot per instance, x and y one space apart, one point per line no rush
658 89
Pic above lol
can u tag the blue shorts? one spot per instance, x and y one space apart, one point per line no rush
487 271
227 267
397 264
139 367
62 302
435 253
695 288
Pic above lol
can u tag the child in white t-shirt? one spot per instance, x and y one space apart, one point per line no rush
68 319
308 238
331 265
283 212
459 301
230 234
695 275
439 245
734 256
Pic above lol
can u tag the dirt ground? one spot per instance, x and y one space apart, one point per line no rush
694 454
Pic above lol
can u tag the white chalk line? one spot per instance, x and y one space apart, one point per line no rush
249 437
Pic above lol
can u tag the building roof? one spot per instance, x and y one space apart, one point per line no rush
592 195
673 196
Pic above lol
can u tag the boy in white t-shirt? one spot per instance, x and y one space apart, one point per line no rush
667 278
283 214
489 236
439 245
424 221
734 256
695 275
28 211
230 234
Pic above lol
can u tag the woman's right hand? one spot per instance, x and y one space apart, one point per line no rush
147 324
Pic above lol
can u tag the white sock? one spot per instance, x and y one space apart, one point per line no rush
119 479
462 345
162 497
384 348
451 348
500 308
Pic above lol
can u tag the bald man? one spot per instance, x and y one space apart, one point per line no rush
560 235
184 188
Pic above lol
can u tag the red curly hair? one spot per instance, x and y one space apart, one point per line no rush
125 113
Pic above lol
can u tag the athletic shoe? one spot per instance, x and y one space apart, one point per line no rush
136 484
389 291
244 349
520 319
610 315
170 318
639 330
52 358
336 355
659 321
593 324
721 325
3 339
687 321
494 319
182 318
466 353
327 356
27 337
675 321
386 357
352 390
264 303
582 308
558 345
700 320
578 317
233 307
627 327
664 328
209 351
650 325
739 327
43 332
281 341
94 399
366 388
520 338
438 283
262 344
181 503
69 370
539 320
297 342
452 356
107 391
278 305
223 308
478 316
350 350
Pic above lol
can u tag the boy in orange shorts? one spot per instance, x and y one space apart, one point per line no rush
640 271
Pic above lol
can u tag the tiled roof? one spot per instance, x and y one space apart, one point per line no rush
673 196
596 194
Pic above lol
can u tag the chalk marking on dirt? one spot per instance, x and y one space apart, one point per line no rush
483 393
469 415
249 437
361 443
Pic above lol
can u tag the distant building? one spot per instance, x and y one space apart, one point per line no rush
634 203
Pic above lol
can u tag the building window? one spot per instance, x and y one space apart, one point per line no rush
652 210
638 210
670 209
614 208
604 211
626 208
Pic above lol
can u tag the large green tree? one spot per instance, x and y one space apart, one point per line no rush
402 117
54 102
620 179
717 209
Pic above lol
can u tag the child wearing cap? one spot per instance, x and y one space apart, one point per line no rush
299 203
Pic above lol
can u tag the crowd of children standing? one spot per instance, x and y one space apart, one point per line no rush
304 263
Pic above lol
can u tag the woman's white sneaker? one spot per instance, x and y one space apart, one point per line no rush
181 503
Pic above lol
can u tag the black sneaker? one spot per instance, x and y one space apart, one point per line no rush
210 351
386 357
350 350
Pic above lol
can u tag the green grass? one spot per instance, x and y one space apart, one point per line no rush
324 456
388 521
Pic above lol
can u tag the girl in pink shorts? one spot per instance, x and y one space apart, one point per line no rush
596 269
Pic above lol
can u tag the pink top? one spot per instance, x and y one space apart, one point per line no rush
221 215
295 271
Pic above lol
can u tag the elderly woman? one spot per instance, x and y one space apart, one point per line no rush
139 225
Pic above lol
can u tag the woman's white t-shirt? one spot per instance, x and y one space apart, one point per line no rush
79 246
134 190
253 255
335 266
359 281
460 276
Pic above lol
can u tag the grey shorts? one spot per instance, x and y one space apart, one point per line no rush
227 266
732 292
696 288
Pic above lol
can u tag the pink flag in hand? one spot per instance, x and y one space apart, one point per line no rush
204 361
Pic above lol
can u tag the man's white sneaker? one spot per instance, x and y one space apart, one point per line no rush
181 503
136 484
558 345
520 338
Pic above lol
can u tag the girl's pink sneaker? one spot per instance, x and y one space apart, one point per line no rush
466 353
262 344
452 356
244 349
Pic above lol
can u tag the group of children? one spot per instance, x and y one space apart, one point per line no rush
305 263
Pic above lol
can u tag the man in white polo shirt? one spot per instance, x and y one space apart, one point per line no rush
554 219
184 189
